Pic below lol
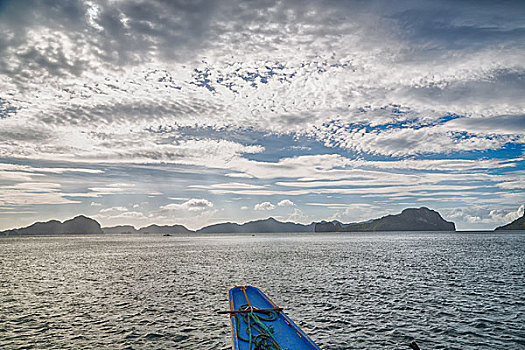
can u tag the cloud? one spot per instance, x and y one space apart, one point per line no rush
380 191
264 206
75 35
121 218
15 176
141 147
479 215
378 100
299 217
360 213
343 205
506 216
55 170
240 175
505 124
286 203
113 209
98 69
33 193
113 188
95 204
414 140
193 204
229 185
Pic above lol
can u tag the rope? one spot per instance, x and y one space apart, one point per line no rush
258 334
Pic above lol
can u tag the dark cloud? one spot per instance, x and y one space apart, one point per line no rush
28 47
139 111
506 124
501 87
322 60
135 31
118 33
27 134
460 24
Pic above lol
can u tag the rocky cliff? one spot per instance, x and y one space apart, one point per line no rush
411 219
258 226
518 224
77 225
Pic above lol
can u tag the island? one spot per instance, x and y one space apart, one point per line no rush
167 229
328 226
78 225
258 226
410 219
518 224
120 229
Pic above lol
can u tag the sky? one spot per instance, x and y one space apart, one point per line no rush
197 112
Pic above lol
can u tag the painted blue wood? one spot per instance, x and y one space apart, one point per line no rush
285 331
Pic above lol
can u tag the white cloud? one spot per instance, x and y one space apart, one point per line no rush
264 206
343 205
113 209
56 170
229 185
33 193
412 141
16 176
299 217
113 188
504 125
85 85
26 173
85 99
193 204
504 216
121 218
239 175
286 203
95 204
377 191
483 215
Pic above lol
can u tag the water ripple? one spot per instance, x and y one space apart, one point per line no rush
348 291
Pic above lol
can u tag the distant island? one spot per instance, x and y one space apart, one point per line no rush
258 226
148 229
411 219
78 225
518 224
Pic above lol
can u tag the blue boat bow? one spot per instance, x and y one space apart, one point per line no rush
257 323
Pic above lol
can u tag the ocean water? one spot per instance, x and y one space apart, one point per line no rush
347 291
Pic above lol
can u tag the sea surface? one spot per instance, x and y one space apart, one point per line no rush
347 291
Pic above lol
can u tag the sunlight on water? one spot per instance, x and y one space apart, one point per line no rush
347 291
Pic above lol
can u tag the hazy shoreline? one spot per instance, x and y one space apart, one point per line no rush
410 219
